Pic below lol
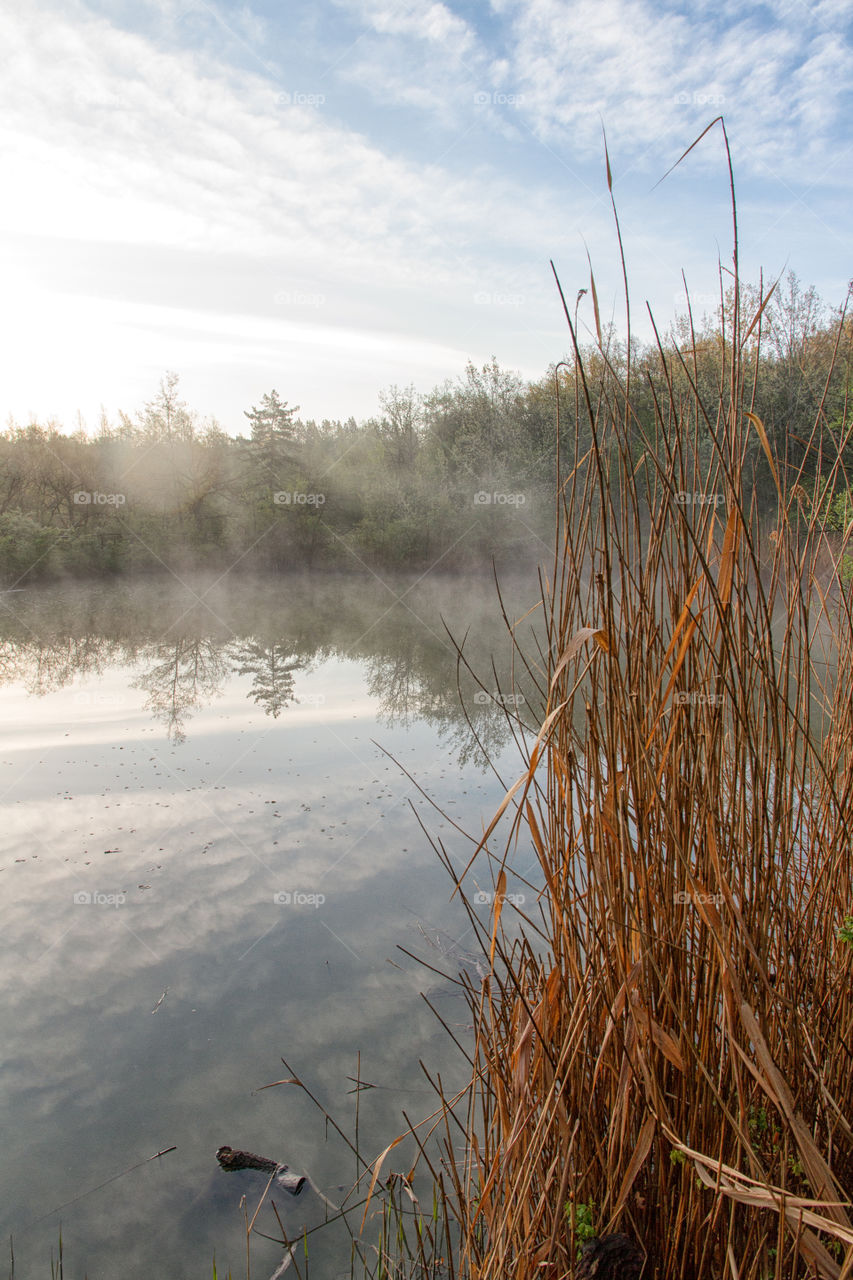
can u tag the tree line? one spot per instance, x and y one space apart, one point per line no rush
453 478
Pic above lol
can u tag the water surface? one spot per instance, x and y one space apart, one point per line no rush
212 855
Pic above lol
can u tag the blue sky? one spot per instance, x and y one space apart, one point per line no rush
330 196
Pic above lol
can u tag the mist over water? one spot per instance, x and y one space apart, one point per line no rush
212 855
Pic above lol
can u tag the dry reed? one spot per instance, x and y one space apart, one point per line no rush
668 1051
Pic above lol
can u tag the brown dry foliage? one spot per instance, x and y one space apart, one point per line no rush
672 1042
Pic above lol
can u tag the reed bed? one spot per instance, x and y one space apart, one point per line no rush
666 1049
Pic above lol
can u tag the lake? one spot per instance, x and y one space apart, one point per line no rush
216 821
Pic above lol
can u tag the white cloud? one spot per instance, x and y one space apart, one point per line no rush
653 74
424 57
130 145
124 142
434 22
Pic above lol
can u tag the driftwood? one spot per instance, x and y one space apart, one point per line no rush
231 1160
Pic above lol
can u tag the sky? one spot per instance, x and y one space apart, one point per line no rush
329 197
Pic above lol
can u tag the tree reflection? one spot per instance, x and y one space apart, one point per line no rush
271 667
186 643
42 666
184 676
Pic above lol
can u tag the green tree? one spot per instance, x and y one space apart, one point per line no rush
273 433
400 424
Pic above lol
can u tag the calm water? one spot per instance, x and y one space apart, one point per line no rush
209 863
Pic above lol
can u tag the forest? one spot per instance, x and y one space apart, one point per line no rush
451 479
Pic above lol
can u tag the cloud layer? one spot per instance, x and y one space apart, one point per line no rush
353 178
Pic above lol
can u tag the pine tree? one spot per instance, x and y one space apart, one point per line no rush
272 430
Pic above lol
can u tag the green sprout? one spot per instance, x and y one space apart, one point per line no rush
580 1218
